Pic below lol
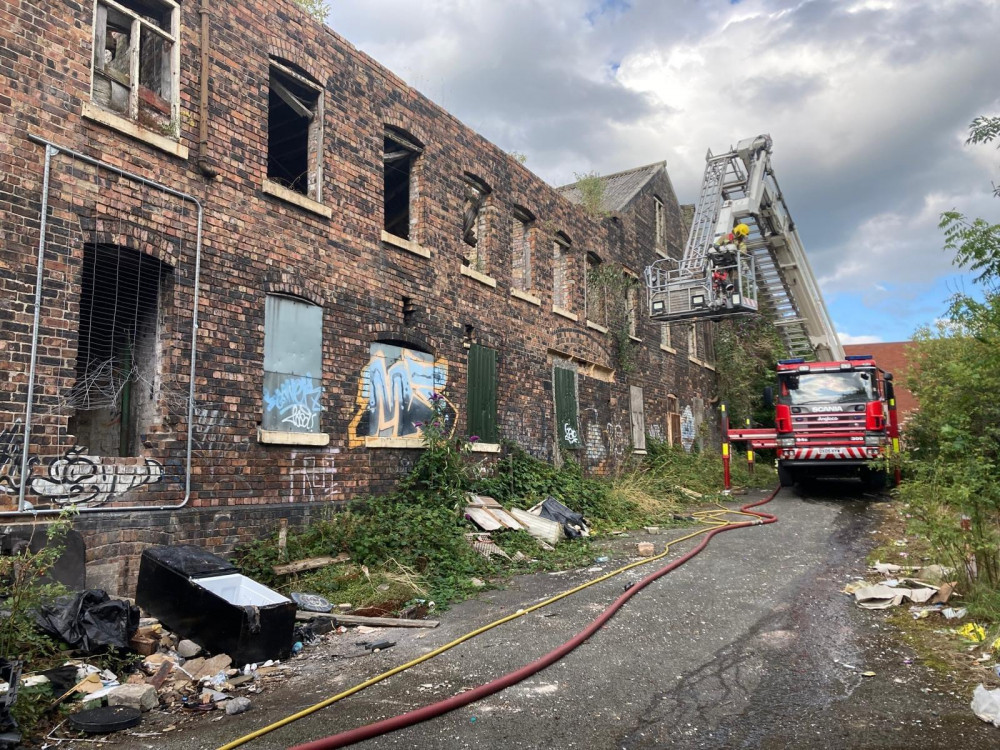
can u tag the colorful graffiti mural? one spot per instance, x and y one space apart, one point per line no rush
394 394
687 428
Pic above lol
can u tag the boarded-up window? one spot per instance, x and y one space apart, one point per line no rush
638 418
673 421
400 389
567 427
482 402
293 365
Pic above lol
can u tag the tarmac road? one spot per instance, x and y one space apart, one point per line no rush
750 644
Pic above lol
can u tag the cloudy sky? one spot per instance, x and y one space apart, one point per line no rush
868 103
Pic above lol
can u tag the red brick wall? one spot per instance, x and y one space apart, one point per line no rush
892 357
255 244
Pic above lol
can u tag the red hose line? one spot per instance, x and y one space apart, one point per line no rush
471 696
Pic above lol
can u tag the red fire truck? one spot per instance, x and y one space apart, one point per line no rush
831 419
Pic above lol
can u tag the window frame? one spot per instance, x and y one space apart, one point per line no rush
523 218
414 148
314 138
562 245
139 25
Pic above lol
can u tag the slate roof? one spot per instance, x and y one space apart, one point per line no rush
619 188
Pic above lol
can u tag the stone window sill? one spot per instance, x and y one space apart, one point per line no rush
485 447
708 366
597 326
404 244
482 278
290 196
661 252
666 348
636 339
639 451
565 313
277 437
388 442
131 129
526 296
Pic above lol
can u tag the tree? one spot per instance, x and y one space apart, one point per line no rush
315 8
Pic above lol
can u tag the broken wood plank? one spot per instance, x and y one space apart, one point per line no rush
311 563
690 493
540 528
375 622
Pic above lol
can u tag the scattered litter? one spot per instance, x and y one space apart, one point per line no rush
881 596
477 582
89 620
543 529
935 573
954 614
973 632
485 546
868 674
237 705
489 515
900 543
986 705
105 719
651 529
188 649
601 559
311 602
378 646
574 524
887 568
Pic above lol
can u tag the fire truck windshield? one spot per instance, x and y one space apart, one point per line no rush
826 387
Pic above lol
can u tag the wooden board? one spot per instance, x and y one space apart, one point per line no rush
311 563
375 622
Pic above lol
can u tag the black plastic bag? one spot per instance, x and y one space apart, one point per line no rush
573 523
89 620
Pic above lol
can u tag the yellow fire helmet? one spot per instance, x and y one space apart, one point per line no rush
741 230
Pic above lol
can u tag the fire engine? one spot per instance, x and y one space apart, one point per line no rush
830 419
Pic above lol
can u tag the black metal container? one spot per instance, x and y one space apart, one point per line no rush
202 597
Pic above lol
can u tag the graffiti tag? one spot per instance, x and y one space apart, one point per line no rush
76 479
296 400
687 428
316 477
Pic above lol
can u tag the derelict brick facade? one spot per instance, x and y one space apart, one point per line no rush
254 244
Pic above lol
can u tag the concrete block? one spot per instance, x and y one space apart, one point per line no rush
142 697
645 549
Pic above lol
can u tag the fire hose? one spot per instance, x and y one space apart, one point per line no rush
712 517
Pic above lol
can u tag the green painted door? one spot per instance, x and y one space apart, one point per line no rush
482 389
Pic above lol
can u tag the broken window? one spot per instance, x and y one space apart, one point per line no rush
137 62
521 248
595 291
293 365
117 386
632 303
474 229
294 129
400 151
660 236
665 335
561 284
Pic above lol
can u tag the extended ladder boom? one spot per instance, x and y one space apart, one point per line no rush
715 279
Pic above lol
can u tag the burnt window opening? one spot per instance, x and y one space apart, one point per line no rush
399 152
660 229
474 229
117 386
136 62
595 291
521 248
561 279
294 130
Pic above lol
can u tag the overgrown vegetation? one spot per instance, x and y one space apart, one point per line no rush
411 544
318 9
609 304
746 350
953 440
591 188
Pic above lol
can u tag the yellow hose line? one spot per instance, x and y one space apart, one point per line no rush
702 516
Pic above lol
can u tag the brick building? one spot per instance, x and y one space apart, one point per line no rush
231 191
892 357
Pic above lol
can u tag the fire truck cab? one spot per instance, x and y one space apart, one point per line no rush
834 419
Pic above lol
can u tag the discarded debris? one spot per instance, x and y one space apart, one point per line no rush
382 622
954 614
237 705
543 529
973 632
489 515
312 563
574 524
986 704
311 602
89 620
485 546
882 596
105 719
646 549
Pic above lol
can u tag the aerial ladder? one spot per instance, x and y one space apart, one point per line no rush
717 278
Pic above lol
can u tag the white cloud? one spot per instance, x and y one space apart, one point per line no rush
846 338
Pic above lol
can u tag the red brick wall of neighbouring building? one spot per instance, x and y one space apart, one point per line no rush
891 357
258 241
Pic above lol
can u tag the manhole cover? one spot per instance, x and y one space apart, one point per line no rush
106 719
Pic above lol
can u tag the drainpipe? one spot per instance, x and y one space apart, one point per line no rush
203 162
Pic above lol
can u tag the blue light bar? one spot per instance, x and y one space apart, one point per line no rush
856 357
796 361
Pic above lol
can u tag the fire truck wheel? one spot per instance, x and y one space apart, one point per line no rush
786 477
